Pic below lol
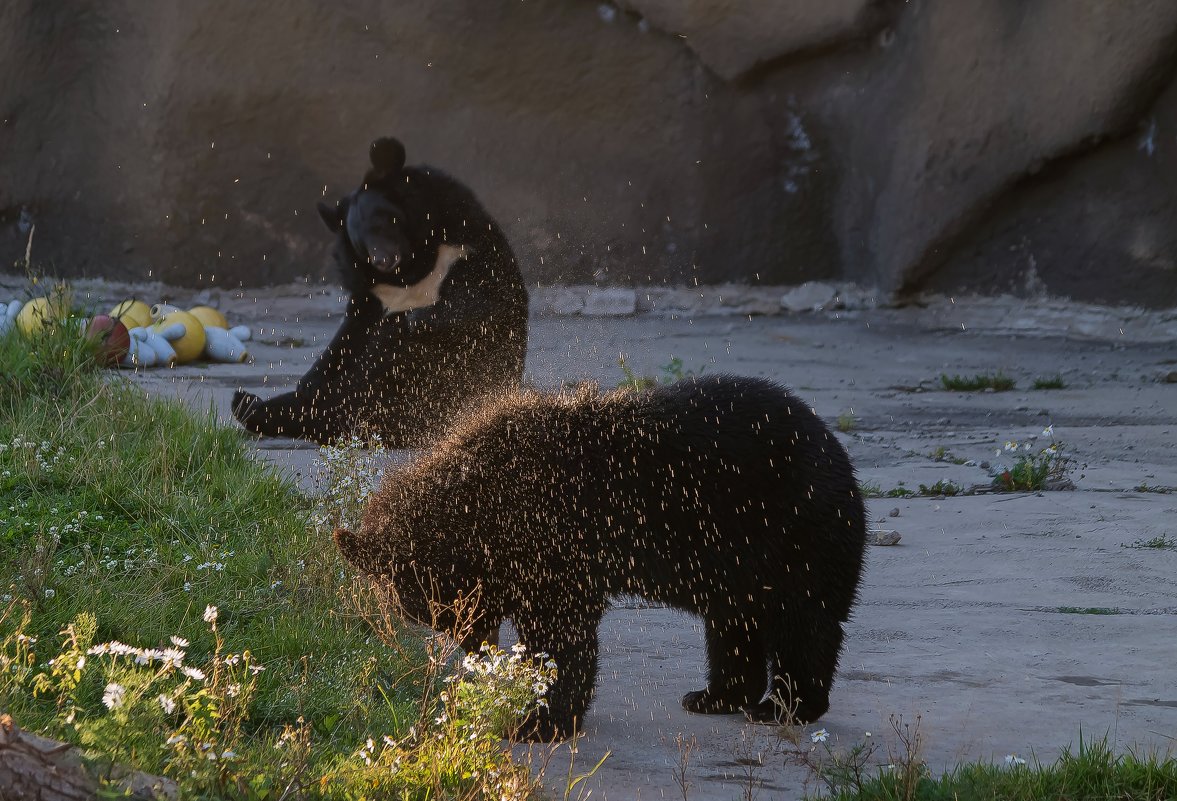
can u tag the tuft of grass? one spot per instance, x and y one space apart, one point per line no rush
847 422
1153 488
942 454
870 489
998 382
1087 610
1162 542
941 487
1050 382
669 373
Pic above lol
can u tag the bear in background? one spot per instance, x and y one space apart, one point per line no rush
723 496
436 315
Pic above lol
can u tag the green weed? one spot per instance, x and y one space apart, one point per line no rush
941 487
1050 382
669 373
1162 542
998 382
942 454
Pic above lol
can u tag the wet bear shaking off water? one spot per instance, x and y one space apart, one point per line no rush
436 314
722 496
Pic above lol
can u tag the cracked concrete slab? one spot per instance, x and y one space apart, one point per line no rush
1002 623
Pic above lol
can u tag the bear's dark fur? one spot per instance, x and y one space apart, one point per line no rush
436 318
722 496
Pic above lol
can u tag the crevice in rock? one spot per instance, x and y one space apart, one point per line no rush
876 18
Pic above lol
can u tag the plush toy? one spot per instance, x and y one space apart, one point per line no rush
174 336
8 313
159 335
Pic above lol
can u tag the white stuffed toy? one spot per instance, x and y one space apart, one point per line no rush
8 314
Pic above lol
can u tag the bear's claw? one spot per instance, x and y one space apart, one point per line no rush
245 409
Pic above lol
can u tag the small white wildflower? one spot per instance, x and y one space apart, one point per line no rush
227 754
1048 431
114 695
256 669
193 673
819 736
81 662
166 704
1011 445
179 642
50 593
233 690
210 614
1014 759
187 586
175 739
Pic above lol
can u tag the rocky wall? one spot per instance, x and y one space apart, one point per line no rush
988 144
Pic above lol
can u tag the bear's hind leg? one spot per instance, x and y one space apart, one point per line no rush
736 669
802 662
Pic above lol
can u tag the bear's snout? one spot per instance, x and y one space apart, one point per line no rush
385 261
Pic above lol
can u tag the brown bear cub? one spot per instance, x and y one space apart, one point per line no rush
724 496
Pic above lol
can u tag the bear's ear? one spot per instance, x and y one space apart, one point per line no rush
335 215
388 156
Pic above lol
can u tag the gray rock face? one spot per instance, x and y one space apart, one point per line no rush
734 36
965 145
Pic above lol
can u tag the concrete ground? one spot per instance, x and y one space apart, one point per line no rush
1000 624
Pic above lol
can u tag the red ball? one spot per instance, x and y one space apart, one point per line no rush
113 338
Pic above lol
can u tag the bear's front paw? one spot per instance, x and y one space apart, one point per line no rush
247 408
703 702
541 727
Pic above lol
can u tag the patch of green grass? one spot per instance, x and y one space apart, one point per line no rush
1092 773
942 454
941 487
1050 382
1162 542
669 373
123 518
1088 610
1153 488
847 422
870 489
999 382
